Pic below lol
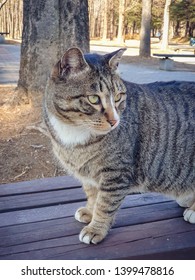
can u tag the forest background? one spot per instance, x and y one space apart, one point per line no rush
109 19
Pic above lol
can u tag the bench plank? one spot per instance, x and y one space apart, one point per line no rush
37 214
37 222
172 55
38 185
166 63
143 240
40 199
50 228
52 211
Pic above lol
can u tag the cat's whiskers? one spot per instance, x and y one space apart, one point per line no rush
97 127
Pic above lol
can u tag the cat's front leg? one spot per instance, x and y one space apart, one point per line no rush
103 216
84 214
189 214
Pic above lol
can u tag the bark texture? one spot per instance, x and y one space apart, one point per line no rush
50 28
165 36
145 49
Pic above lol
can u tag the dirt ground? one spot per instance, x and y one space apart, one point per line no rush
25 153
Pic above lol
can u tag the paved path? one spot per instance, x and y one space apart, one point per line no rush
146 74
143 74
10 56
9 63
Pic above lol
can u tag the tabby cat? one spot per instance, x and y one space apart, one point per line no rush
118 137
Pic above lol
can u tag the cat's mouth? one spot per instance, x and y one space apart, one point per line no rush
104 129
115 124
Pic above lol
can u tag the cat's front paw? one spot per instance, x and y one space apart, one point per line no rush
189 216
83 215
92 235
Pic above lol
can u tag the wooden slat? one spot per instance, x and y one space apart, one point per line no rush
44 233
144 247
38 185
38 223
144 199
172 55
51 212
38 214
50 228
30 200
127 242
26 201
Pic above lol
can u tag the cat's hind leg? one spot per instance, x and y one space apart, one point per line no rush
84 214
189 214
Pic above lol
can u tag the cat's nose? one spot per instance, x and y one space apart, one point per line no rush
112 117
113 122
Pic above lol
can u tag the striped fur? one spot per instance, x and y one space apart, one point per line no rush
144 142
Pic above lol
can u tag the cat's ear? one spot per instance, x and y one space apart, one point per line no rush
71 64
114 58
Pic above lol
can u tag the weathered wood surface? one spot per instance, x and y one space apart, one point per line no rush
37 222
172 55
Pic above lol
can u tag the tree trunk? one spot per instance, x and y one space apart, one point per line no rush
191 29
144 49
111 29
166 19
121 21
2 3
92 18
105 25
187 28
176 29
50 28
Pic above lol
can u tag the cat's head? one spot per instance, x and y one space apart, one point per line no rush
87 91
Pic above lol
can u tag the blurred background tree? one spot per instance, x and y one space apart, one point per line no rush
182 14
165 29
145 31
104 18
51 26
11 17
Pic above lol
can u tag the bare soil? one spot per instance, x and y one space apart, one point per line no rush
25 153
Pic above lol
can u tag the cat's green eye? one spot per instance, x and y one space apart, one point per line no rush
117 97
94 99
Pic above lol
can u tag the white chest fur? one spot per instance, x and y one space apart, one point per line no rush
69 135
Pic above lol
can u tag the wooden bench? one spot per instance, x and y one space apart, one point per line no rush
37 222
2 37
166 63
4 33
184 48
